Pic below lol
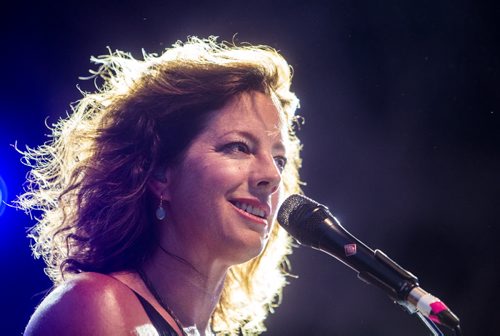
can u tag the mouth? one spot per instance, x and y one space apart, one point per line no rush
251 209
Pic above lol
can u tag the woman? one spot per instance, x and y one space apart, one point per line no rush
159 193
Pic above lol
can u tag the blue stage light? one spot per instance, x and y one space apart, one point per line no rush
3 195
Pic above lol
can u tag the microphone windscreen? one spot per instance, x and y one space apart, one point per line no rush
301 217
288 207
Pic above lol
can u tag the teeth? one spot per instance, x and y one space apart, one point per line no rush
250 209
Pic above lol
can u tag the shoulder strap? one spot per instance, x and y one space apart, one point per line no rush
163 328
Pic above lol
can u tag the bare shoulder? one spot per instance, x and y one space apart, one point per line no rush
88 304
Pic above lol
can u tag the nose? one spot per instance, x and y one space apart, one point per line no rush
266 176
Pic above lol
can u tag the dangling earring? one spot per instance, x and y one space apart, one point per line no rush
160 211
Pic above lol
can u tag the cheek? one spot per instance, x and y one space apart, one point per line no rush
221 175
276 199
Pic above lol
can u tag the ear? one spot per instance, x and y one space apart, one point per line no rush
160 183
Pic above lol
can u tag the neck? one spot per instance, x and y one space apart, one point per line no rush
190 293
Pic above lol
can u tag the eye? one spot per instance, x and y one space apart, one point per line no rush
280 162
236 147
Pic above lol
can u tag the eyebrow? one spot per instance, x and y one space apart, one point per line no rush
277 145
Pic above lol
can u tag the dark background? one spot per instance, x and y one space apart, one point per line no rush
402 108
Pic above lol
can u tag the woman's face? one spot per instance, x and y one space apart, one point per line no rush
223 196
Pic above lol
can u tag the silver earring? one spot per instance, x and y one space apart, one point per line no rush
160 211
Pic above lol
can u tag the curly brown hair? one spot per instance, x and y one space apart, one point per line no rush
90 180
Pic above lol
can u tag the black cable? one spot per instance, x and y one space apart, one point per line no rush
458 331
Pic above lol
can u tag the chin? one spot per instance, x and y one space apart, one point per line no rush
246 251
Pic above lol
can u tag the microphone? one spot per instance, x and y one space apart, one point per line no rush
312 224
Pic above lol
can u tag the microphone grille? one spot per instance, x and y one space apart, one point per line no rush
290 205
302 217
292 212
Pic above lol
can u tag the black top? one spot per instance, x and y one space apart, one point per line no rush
159 323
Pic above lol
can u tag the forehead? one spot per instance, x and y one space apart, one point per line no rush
253 111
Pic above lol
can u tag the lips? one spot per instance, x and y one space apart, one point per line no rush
252 207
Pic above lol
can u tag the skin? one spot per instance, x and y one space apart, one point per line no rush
237 158
95 304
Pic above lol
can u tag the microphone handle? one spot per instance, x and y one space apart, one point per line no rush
376 268
373 267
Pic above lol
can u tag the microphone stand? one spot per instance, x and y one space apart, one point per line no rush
430 325
406 291
312 224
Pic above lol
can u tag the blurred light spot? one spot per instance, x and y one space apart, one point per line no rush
3 195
